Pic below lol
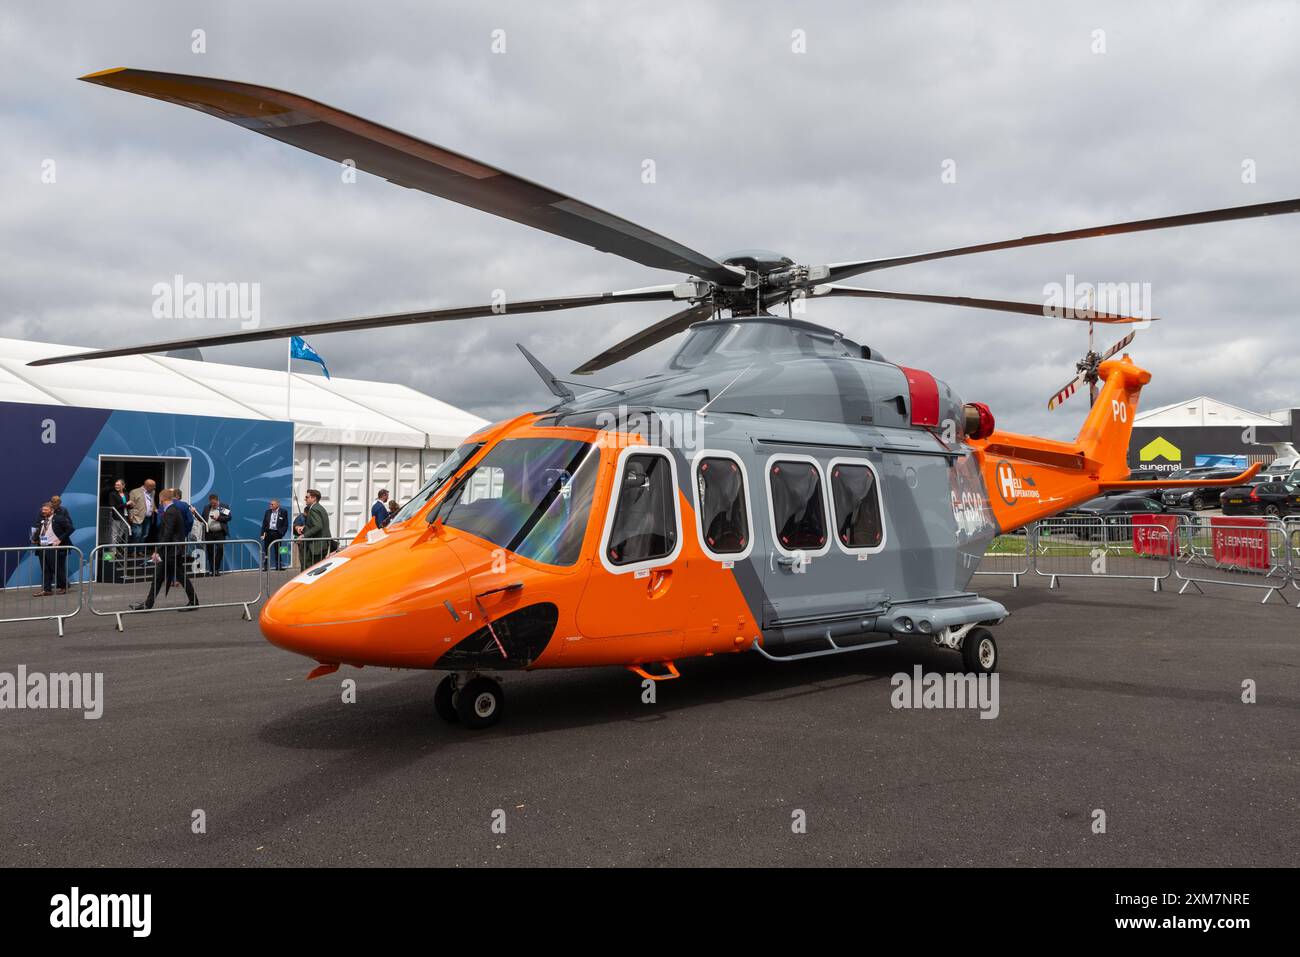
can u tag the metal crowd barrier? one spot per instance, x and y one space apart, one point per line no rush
1243 554
1291 526
23 573
124 575
1096 547
1007 555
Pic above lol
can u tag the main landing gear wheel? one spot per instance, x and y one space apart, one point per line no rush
979 652
479 703
444 700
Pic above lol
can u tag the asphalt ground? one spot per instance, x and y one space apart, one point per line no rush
1112 698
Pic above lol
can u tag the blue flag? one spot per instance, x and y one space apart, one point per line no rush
298 349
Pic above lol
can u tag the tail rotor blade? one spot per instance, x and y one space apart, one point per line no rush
1066 392
1119 345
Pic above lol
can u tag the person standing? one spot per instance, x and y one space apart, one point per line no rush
275 522
54 529
118 522
142 510
216 529
379 510
316 529
169 555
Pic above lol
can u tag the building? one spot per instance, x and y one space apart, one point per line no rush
1205 431
246 434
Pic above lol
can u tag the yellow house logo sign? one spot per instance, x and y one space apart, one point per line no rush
1160 448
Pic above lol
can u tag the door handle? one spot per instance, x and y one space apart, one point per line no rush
660 579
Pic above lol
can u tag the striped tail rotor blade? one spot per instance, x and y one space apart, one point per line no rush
1065 393
1119 345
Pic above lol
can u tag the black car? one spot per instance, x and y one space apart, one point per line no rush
1148 475
1193 497
1178 474
1109 518
1263 498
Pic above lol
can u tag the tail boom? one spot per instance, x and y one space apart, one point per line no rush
1029 478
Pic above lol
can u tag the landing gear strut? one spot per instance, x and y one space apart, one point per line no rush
978 650
472 700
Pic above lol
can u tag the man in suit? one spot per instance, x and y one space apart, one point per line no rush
275 522
169 556
53 529
379 510
141 510
316 528
216 529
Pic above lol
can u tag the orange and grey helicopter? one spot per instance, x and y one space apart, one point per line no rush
775 488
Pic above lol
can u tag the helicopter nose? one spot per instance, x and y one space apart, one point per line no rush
368 604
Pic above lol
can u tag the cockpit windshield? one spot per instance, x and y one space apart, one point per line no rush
436 481
528 496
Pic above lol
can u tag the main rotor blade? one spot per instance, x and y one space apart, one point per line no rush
998 305
414 163
661 330
838 271
649 294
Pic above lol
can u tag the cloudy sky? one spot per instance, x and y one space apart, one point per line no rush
830 154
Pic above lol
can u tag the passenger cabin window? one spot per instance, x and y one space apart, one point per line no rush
798 505
724 520
856 495
645 515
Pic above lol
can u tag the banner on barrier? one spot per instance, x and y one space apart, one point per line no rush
1241 542
1155 534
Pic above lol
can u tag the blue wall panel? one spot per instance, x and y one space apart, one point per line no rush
245 461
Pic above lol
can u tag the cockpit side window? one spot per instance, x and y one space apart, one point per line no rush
528 496
436 481
723 505
645 525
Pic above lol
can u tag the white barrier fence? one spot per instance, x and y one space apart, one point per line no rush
145 578
1260 553
41 583
1007 555
1102 547
1238 553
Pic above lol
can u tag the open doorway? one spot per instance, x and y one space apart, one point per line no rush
112 527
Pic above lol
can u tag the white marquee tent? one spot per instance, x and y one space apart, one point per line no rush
1201 411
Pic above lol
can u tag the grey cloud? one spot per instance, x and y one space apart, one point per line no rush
830 155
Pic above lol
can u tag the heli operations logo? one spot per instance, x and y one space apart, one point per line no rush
1013 487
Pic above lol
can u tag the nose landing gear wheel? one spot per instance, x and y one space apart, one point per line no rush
444 700
979 652
479 703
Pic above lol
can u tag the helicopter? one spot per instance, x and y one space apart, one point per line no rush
776 488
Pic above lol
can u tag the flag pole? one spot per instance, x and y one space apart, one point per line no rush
288 380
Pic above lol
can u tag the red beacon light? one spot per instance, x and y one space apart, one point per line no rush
979 420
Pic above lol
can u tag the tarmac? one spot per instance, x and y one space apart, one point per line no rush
1112 699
